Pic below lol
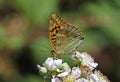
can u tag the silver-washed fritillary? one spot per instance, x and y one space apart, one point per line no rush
64 37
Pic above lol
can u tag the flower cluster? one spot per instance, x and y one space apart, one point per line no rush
84 71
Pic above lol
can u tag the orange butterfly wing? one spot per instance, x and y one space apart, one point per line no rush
64 37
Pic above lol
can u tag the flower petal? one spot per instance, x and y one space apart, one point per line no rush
65 67
55 80
57 62
76 72
52 64
42 69
63 74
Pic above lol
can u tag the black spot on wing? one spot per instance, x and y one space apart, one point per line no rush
52 30
53 38
53 35
56 28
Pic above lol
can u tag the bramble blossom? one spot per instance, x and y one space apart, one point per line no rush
60 71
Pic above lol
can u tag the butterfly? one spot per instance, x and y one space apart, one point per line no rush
64 37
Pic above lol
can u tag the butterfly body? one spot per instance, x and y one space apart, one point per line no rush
64 37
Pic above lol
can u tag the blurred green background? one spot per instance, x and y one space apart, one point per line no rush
24 40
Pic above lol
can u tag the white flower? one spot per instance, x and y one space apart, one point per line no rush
42 69
70 76
52 64
83 72
76 72
98 77
76 56
57 62
94 78
85 59
65 67
92 65
55 80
